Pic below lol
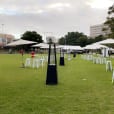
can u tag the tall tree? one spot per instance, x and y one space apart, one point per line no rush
110 21
83 41
99 38
76 38
73 38
32 36
61 41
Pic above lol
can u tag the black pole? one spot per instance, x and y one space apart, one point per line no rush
51 78
61 62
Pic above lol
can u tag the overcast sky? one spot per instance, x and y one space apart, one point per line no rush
51 17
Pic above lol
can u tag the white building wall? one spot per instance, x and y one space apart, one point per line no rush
97 30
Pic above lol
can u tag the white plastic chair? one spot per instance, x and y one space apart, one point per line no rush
69 57
108 66
35 63
94 60
28 62
42 61
104 60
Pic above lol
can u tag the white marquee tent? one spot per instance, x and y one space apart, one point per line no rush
95 46
40 45
107 41
20 42
70 47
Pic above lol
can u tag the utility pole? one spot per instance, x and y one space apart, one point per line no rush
3 36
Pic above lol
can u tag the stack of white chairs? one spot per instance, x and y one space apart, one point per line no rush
69 57
98 60
42 60
90 57
35 63
108 65
46 58
94 60
28 62
113 76
83 56
87 57
103 60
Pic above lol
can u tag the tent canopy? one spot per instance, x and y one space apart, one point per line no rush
67 47
107 41
95 46
20 42
40 45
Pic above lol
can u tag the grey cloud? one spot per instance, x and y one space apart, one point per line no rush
78 17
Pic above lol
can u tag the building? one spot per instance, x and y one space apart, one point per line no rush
5 38
97 30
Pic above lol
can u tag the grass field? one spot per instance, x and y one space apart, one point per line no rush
83 88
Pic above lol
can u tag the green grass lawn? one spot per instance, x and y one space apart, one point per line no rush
83 88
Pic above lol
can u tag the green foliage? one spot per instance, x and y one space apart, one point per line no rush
110 21
90 40
83 41
84 88
111 10
62 41
32 36
99 38
74 38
